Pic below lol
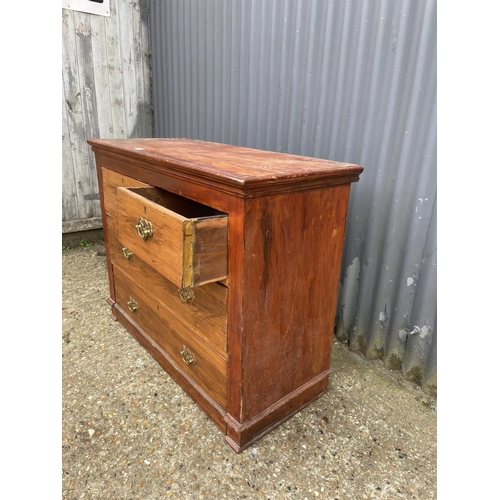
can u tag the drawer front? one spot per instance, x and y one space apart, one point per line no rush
194 356
111 180
184 241
206 314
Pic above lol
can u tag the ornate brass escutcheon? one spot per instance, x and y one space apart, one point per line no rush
186 294
144 228
127 253
187 356
132 304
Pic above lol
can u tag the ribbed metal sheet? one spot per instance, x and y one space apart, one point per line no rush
345 80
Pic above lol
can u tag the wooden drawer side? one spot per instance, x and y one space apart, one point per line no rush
209 250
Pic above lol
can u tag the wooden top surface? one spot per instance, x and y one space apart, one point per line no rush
233 165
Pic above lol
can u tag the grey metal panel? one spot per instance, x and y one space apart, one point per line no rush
106 91
352 81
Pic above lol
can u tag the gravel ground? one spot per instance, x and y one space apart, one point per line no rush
128 431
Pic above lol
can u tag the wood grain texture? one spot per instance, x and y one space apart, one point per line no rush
111 181
79 119
188 384
285 228
186 250
234 169
206 315
242 435
102 197
106 92
209 369
209 250
293 249
164 250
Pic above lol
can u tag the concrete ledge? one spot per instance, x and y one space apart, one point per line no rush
73 240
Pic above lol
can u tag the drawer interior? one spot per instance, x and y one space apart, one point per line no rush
182 206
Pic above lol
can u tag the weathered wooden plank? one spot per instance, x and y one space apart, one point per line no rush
69 200
106 94
99 27
74 119
80 109
143 120
88 175
126 22
73 226
145 112
114 75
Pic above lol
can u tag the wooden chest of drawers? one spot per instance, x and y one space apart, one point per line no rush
223 263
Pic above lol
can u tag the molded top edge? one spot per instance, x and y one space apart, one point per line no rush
234 165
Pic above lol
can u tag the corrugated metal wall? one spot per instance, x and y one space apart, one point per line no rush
106 92
352 81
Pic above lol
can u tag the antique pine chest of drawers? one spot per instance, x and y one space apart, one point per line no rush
224 263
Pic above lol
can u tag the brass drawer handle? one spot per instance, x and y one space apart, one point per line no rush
127 253
144 228
187 356
132 304
186 294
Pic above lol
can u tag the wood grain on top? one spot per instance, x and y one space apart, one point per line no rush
233 165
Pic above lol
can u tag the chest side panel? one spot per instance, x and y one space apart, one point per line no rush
292 258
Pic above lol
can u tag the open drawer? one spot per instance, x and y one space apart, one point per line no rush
183 240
